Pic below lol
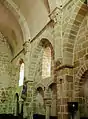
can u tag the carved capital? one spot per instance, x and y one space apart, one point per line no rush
26 46
48 102
56 15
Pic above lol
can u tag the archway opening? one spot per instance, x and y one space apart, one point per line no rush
53 91
40 101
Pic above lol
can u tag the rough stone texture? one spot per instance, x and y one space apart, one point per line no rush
60 43
5 73
80 70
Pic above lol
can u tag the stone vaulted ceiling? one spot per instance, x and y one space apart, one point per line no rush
35 13
10 28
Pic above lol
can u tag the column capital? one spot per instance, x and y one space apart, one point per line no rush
48 102
26 42
26 46
56 15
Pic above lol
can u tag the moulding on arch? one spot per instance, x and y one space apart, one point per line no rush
82 69
64 66
39 85
50 83
19 16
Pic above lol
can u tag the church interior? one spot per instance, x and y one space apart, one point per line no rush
44 59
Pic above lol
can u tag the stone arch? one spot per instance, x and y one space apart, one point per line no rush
82 69
80 89
50 83
39 101
45 42
20 18
39 85
77 78
72 29
41 91
42 43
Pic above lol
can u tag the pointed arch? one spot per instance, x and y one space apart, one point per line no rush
39 85
44 42
72 29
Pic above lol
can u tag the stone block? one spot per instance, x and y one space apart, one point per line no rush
69 93
60 116
81 53
73 32
65 116
69 78
74 27
59 101
62 108
68 49
68 61
64 100
69 45
76 63
86 57
58 108
80 17
77 23
85 44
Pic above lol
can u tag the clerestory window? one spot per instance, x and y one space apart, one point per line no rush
21 77
46 63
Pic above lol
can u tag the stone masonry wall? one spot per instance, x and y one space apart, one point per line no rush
65 53
80 59
9 75
5 76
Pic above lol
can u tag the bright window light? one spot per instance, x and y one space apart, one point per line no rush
21 75
46 63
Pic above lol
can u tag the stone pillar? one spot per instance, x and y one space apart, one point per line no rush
57 17
28 104
47 111
47 99
64 90
27 47
30 99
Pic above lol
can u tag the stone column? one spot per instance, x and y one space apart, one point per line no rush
29 100
64 90
27 47
47 110
47 98
57 17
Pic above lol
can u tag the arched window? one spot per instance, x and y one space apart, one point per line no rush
21 77
46 63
